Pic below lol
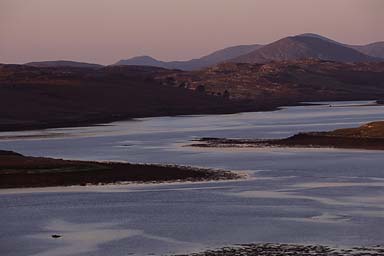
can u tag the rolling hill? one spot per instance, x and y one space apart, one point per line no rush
304 47
375 49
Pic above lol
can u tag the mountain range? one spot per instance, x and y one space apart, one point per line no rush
304 46
298 47
194 64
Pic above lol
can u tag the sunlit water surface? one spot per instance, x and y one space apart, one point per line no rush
326 196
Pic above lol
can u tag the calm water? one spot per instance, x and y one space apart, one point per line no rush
325 196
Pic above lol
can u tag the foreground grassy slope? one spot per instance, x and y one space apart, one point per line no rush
370 130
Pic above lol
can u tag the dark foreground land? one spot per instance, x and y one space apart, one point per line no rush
18 171
49 97
270 249
369 136
36 98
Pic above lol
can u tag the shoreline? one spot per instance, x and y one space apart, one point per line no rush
18 171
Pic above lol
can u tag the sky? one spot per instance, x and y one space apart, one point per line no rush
105 31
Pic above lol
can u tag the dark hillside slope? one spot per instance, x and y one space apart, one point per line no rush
33 97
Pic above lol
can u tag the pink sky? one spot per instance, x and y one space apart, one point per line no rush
104 31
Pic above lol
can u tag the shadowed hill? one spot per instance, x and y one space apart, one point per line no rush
62 63
32 97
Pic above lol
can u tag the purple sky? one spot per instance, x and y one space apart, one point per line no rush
104 31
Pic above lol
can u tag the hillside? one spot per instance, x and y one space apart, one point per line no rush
301 80
303 47
32 97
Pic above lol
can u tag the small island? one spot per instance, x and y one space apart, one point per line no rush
18 171
369 136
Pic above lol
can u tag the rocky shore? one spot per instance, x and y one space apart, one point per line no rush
18 171
369 136
270 249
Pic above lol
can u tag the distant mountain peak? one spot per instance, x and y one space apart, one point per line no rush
143 57
313 35
143 60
